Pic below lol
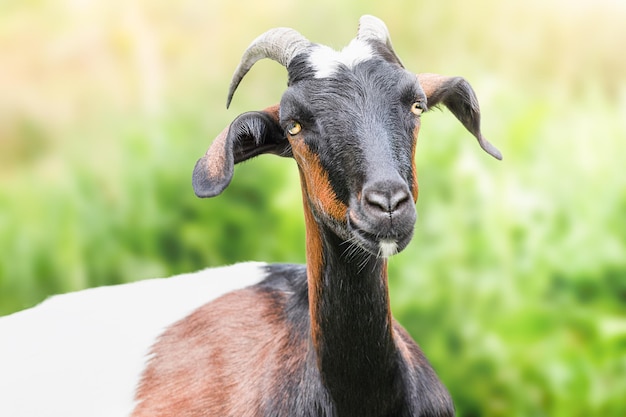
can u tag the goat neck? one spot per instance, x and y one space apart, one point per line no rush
351 324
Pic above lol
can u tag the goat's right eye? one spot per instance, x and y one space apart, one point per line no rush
294 128
417 108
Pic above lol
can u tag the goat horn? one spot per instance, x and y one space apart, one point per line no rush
372 28
280 45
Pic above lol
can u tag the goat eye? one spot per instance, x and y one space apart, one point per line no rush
294 128
417 108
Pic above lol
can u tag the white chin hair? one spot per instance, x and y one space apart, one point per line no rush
388 248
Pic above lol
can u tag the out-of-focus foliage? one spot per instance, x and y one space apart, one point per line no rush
515 283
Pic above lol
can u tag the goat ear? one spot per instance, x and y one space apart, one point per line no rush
249 135
459 97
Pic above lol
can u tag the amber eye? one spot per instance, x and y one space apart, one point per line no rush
417 108
294 128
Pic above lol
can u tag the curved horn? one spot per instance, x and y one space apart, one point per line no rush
372 28
280 45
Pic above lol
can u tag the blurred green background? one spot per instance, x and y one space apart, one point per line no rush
515 282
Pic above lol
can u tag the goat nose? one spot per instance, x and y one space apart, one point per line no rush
386 199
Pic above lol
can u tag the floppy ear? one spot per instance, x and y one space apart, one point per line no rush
249 135
459 97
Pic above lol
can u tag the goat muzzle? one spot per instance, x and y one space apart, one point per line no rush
382 220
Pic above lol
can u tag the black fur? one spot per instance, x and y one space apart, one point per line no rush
249 135
362 381
351 358
357 120
360 125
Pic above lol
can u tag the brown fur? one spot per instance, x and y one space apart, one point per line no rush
215 159
315 183
415 186
314 264
273 111
192 375
316 189
431 82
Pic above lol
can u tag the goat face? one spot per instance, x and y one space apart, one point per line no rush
353 136
350 120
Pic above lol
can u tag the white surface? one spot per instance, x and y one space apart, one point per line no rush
81 354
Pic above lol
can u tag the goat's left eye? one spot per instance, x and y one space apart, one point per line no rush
294 128
417 108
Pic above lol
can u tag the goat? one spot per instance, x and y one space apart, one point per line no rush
255 339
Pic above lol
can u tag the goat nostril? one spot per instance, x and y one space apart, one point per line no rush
386 201
377 199
398 199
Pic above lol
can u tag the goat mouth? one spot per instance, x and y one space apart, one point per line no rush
380 245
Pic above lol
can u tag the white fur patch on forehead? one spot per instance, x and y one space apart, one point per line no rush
325 60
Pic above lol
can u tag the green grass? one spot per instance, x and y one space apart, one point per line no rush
515 282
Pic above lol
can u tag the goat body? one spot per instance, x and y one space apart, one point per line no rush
256 339
83 353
